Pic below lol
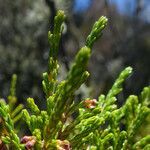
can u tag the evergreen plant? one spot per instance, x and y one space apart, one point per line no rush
99 125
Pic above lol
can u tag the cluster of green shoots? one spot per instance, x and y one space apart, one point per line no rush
99 124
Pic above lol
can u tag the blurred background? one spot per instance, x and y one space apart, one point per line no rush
24 47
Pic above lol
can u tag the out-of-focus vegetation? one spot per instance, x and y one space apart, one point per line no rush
24 48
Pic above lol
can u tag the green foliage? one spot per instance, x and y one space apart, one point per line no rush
12 100
100 124
96 31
